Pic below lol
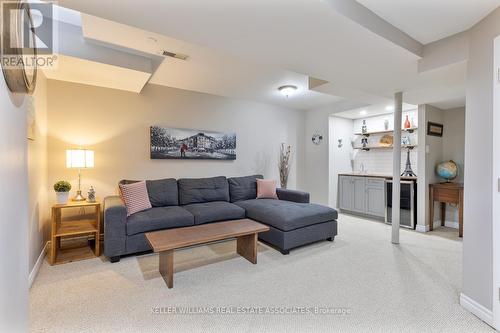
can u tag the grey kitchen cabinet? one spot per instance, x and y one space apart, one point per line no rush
359 203
346 193
362 195
375 197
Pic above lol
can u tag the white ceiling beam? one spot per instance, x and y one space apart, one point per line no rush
371 21
445 52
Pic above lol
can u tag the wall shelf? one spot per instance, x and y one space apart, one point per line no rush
368 148
409 130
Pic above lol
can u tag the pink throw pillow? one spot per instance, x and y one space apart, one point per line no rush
266 189
136 197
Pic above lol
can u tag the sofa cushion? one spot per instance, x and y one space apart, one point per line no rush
135 197
215 211
163 192
159 218
243 188
203 190
286 215
266 189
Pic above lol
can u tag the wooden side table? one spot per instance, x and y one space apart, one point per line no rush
74 227
444 193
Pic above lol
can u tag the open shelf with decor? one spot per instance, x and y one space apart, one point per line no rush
368 148
408 130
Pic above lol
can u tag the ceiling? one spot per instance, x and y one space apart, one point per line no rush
372 110
246 49
207 70
430 20
83 71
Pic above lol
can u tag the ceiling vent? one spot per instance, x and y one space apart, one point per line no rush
175 55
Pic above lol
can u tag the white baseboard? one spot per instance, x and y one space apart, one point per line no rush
449 224
477 309
38 264
437 224
422 228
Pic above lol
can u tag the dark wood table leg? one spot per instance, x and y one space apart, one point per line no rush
431 208
246 247
167 267
461 214
443 213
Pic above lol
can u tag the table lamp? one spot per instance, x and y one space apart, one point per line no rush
79 159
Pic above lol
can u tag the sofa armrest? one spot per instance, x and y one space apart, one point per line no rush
292 195
115 219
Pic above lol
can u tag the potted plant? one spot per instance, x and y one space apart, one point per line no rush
62 189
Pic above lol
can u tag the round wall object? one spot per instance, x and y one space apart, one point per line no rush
19 76
317 138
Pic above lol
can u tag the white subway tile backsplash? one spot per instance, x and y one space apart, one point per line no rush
380 161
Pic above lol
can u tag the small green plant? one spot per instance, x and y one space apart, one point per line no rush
62 186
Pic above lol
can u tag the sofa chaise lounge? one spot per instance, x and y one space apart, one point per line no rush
293 221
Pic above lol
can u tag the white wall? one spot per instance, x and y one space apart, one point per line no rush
448 147
433 157
480 174
116 125
13 213
453 149
496 193
316 157
422 183
340 157
39 212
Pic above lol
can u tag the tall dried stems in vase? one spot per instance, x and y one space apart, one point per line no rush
284 164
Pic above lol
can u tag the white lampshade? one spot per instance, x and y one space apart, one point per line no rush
79 158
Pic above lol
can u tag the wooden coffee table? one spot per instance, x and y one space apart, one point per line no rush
166 241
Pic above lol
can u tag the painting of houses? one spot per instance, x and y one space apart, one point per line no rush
177 143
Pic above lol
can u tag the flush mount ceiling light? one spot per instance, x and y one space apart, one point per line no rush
363 112
389 108
287 90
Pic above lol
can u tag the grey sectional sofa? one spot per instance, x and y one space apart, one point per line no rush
293 221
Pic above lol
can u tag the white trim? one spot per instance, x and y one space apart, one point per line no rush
449 224
422 228
38 264
477 309
437 224
495 234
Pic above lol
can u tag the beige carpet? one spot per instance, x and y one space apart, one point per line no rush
413 287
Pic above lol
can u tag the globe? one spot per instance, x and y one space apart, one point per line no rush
447 170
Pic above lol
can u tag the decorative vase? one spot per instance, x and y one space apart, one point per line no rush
364 128
62 198
284 165
407 123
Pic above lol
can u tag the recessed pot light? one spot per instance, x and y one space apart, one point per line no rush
288 90
389 108
363 112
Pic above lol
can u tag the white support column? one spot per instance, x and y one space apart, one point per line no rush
396 167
